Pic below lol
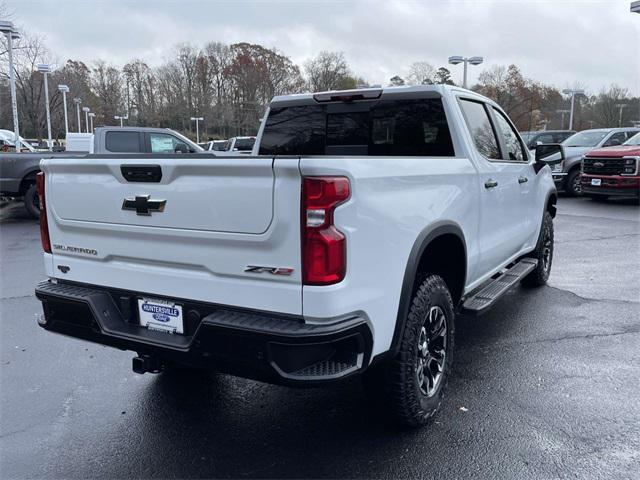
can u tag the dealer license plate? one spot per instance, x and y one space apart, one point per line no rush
162 315
596 182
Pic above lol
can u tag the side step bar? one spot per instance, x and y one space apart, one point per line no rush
491 293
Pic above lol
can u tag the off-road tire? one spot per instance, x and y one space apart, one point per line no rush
32 202
572 183
543 253
398 379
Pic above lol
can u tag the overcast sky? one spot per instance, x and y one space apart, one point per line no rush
560 42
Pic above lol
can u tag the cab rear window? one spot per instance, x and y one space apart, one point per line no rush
377 128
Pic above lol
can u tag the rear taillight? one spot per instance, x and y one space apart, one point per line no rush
44 225
324 248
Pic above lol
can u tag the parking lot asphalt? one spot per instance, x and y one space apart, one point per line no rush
545 385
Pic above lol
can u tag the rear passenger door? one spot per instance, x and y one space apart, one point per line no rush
503 228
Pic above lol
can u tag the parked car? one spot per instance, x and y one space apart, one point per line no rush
346 247
533 139
18 170
240 145
612 171
567 177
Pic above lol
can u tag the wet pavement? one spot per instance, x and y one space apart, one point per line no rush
545 385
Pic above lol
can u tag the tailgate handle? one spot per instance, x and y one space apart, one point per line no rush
141 173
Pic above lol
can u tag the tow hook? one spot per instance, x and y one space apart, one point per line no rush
146 363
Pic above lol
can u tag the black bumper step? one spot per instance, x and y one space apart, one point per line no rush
491 293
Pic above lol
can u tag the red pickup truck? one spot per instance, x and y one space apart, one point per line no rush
612 171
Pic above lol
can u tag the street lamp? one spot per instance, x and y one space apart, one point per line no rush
621 106
562 112
573 93
78 101
456 59
197 119
12 34
86 111
121 118
45 69
91 115
64 90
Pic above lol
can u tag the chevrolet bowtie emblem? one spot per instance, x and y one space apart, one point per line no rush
143 205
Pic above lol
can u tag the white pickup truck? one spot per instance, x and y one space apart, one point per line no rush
367 221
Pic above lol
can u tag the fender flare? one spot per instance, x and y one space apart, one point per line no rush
423 240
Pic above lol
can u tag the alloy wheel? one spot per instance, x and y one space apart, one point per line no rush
432 350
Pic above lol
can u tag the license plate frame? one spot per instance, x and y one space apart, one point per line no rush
161 315
596 182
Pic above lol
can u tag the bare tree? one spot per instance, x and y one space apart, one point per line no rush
421 73
327 71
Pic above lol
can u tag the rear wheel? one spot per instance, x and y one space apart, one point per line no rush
572 184
413 383
32 201
543 253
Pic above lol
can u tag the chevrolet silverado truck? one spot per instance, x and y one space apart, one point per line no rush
367 221
613 171
18 170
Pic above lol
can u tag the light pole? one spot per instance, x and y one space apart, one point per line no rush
91 115
456 59
562 122
78 101
573 93
64 90
197 119
621 106
121 118
45 69
86 111
12 34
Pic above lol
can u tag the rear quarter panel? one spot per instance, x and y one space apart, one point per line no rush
392 201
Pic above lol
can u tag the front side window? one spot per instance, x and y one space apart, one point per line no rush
244 144
479 125
163 143
616 139
514 151
122 142
588 138
634 141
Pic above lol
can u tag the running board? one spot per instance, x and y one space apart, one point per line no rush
491 293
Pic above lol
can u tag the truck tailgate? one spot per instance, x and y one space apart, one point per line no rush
191 234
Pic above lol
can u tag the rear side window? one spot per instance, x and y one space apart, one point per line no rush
380 128
477 119
123 142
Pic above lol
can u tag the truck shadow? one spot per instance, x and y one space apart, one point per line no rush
221 426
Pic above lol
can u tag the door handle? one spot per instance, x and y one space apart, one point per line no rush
523 179
490 184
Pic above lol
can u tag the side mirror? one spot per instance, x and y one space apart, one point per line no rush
548 154
614 142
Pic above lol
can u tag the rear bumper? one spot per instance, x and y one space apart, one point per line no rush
611 185
276 349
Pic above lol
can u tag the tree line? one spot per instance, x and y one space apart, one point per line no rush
229 85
